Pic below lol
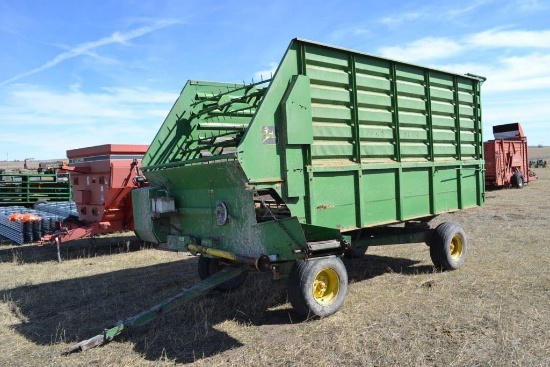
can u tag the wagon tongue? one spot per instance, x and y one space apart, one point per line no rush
167 305
95 341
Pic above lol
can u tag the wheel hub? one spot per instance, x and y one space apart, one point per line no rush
326 286
456 247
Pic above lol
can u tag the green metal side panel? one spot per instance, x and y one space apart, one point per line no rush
297 127
469 179
261 158
446 189
197 189
333 199
415 193
378 122
297 133
145 227
380 201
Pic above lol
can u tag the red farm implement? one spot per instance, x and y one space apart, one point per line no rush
506 158
102 178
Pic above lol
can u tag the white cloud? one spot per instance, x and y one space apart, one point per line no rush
54 142
529 72
515 73
55 121
456 13
392 21
87 47
434 12
349 32
515 62
506 110
432 49
495 38
425 49
60 108
522 71
530 5
530 112
267 73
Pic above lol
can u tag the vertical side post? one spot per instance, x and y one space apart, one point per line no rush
431 154
397 140
356 134
458 141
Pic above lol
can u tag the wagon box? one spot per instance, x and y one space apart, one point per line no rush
338 151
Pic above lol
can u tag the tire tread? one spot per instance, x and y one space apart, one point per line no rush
439 252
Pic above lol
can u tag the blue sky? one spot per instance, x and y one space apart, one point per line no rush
80 73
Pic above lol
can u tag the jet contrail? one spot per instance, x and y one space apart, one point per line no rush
116 37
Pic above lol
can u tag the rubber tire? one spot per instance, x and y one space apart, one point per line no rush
300 286
518 181
440 247
209 265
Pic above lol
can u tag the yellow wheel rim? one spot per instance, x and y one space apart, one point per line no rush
326 286
456 247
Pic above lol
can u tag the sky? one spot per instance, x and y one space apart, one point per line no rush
75 74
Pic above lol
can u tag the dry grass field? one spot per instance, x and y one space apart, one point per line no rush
399 311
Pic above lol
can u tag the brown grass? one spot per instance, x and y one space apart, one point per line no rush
495 310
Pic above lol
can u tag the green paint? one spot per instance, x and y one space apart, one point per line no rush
343 139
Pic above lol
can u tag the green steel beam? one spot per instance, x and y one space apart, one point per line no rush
458 140
397 139
399 187
309 192
393 236
480 192
354 109
356 136
216 96
457 117
380 166
229 156
429 120
395 111
429 116
360 205
302 65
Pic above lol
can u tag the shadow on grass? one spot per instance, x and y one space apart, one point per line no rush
71 310
372 266
76 249
359 269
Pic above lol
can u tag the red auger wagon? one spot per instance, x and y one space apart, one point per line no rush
506 159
